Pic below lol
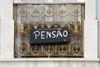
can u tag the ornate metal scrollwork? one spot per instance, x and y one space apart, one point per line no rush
47 16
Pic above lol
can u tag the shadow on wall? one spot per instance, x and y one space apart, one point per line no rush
98 18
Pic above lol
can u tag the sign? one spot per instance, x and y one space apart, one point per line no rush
49 35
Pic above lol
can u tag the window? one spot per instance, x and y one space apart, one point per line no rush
46 15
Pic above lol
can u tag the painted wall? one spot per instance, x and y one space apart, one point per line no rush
0 26
45 0
64 0
98 18
0 9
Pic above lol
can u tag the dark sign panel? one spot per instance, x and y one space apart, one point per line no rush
49 35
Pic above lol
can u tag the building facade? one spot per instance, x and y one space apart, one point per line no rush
18 17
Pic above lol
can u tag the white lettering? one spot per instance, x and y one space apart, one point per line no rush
42 35
54 36
65 33
48 34
59 34
37 33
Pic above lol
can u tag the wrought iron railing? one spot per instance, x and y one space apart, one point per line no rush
45 15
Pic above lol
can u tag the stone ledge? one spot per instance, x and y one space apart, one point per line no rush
23 2
50 60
